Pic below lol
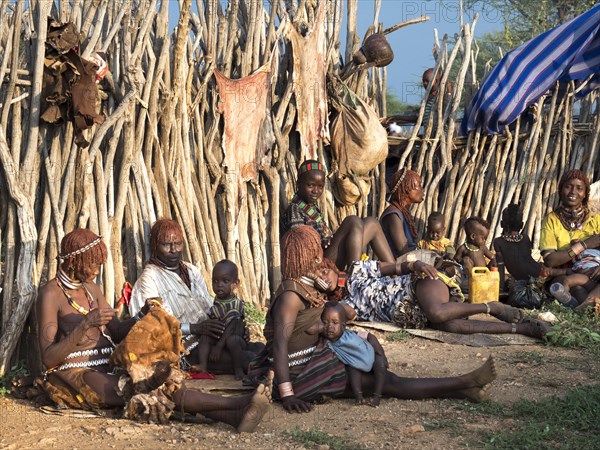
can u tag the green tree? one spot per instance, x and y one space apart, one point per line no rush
394 105
525 19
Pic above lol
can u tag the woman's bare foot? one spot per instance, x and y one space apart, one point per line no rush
591 303
258 406
479 381
483 375
534 327
505 313
476 394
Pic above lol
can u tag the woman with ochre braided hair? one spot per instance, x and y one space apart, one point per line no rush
348 242
78 332
307 370
396 220
570 230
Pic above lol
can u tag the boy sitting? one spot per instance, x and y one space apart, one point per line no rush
229 309
473 252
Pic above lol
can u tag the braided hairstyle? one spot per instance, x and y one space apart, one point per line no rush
302 252
579 175
80 265
162 230
401 184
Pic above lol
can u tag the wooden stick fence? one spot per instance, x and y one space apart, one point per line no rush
159 151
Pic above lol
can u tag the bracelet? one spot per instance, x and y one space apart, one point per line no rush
575 250
583 244
285 389
186 328
139 316
398 268
411 266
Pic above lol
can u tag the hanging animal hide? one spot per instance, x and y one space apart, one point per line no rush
248 135
69 90
247 138
309 84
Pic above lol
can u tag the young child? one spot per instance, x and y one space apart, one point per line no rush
435 239
346 244
473 252
360 352
229 309
513 249
561 288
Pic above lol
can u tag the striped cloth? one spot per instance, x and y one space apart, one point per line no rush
570 51
322 375
187 305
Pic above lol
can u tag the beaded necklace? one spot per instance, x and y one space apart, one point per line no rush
65 282
512 237
573 219
470 248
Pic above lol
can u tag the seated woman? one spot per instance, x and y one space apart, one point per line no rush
184 292
396 220
306 369
414 294
353 235
78 331
571 229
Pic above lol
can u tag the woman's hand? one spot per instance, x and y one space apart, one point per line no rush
151 303
593 241
292 404
98 317
429 271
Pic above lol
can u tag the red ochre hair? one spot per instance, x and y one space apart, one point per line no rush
78 265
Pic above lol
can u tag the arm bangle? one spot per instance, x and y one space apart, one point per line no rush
139 316
285 389
575 250
186 328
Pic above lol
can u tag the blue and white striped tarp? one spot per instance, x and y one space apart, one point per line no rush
570 51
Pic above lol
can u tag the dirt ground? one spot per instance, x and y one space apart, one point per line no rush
524 372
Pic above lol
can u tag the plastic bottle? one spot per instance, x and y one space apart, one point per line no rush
559 292
484 285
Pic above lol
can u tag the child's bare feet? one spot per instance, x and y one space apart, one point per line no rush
198 368
358 398
374 400
258 406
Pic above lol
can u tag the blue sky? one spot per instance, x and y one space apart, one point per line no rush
412 45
